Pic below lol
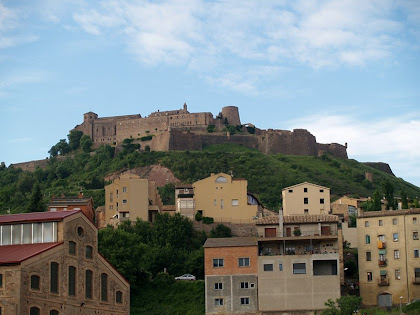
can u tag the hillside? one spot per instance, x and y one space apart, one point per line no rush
267 175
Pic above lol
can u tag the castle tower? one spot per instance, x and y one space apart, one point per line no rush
231 113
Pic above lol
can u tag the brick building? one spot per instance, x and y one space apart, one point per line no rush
85 204
50 264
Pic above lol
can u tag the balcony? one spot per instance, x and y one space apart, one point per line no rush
383 282
381 245
416 280
382 262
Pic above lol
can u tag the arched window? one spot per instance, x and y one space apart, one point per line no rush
34 311
104 287
35 282
54 312
89 252
221 179
54 277
118 297
88 284
72 280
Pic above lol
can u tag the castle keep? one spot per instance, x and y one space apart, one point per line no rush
182 130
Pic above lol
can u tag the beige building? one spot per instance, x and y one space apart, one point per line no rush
306 198
225 199
389 256
50 264
184 200
130 197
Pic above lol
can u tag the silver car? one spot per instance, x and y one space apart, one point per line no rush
187 276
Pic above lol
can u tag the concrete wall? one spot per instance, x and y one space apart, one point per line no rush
215 199
282 290
293 202
350 234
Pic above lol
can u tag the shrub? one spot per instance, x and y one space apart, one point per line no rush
163 278
221 231
297 232
251 130
210 128
146 138
198 216
208 220
147 148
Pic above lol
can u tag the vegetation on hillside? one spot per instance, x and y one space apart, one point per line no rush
267 175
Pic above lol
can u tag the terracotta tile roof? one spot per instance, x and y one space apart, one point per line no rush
230 242
298 218
36 216
385 213
180 185
15 254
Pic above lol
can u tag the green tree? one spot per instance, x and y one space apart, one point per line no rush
167 194
375 203
61 148
74 139
36 203
86 143
345 305
388 190
220 231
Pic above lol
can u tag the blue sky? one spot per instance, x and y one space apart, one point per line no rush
347 70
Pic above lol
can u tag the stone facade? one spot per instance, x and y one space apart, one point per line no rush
67 275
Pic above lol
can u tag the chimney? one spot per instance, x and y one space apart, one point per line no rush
80 195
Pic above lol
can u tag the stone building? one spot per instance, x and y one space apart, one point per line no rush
130 197
275 272
306 198
50 264
389 256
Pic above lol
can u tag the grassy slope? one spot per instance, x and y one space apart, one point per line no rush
179 298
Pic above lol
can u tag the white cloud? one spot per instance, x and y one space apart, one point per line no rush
20 140
393 140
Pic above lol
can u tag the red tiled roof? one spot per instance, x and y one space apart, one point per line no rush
36 216
15 254
298 218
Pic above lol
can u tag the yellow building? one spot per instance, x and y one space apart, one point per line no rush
306 198
130 197
225 199
389 256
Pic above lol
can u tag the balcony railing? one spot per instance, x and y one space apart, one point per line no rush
382 262
381 245
416 280
383 282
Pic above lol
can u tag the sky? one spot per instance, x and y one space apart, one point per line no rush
347 70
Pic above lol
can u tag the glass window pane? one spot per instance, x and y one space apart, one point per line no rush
27 233
88 284
37 230
48 232
5 233
72 280
16 233
54 277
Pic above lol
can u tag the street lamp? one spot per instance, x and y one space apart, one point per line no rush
401 304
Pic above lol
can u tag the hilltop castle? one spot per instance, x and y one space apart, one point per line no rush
182 130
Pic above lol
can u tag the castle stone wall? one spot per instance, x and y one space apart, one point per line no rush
231 113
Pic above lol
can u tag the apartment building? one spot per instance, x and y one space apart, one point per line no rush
184 200
306 198
230 267
293 265
50 264
225 199
389 256
130 197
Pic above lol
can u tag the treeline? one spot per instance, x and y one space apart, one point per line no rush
140 250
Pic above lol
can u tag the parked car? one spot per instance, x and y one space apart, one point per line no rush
187 276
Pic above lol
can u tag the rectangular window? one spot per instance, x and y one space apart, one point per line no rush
217 262
27 233
290 190
321 201
16 233
268 267
417 272
415 235
35 280
111 197
72 280
414 220
299 268
368 256
221 203
37 231
1 280
305 189
124 189
235 202
119 297
72 248
367 239
244 285
89 252
381 223
305 201
124 201
397 254
321 190
369 276
215 202
245 301
394 221
306 211
54 277
104 287
395 237
243 262
280 267
88 284
6 231
366 223
218 302
48 232
416 253
218 286
397 274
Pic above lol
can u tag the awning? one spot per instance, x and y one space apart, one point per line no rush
382 251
